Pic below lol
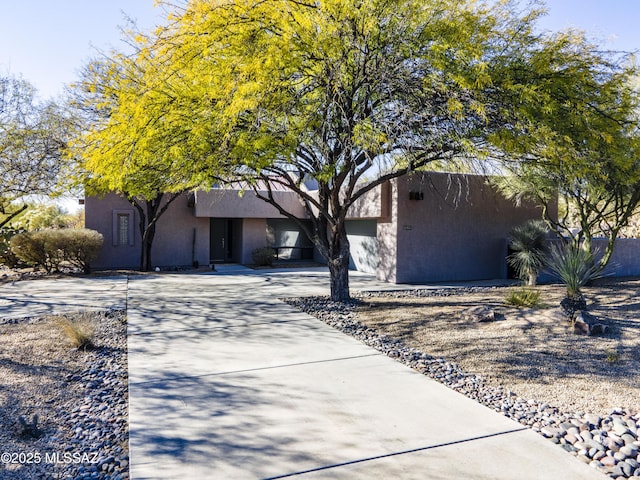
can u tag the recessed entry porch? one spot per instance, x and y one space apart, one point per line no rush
232 240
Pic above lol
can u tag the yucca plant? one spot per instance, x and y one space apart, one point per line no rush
529 245
575 267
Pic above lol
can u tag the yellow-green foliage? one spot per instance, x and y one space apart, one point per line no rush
78 329
39 216
613 356
251 83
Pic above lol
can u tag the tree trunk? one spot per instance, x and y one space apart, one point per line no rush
608 251
150 212
147 210
339 269
12 215
145 254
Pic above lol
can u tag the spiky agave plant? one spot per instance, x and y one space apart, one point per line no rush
529 244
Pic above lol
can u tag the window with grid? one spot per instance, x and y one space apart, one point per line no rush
123 229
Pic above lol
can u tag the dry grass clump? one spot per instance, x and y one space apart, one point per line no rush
78 329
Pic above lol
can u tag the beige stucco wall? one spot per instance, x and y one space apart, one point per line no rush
363 243
254 235
457 232
173 243
625 261
387 230
374 204
99 216
223 203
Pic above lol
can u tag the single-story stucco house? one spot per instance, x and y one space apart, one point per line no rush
418 228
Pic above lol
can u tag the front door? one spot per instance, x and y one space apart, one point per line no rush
220 240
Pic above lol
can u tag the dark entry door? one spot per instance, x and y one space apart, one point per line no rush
220 240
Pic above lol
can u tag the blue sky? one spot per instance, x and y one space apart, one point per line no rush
48 41
615 22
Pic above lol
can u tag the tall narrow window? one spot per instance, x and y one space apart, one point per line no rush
123 229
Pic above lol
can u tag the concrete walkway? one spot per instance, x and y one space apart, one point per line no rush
32 298
227 382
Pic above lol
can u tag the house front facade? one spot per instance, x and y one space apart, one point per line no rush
426 227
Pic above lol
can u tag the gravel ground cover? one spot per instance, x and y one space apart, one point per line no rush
529 351
581 393
79 397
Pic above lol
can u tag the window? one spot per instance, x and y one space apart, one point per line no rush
122 228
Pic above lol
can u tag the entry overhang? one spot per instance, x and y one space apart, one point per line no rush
231 203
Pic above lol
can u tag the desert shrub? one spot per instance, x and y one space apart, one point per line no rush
613 356
263 257
573 265
81 246
529 245
78 329
523 297
7 257
29 247
29 429
50 248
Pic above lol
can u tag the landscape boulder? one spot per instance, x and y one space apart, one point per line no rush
480 314
586 324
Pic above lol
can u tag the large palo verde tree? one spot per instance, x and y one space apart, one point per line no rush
341 94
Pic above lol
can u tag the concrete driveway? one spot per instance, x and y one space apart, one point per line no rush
228 382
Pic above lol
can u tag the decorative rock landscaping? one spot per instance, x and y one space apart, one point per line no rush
84 435
609 443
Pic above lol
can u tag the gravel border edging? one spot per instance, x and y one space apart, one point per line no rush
90 436
609 443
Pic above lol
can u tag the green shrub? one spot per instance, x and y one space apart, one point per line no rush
263 257
29 247
575 267
81 246
613 356
50 248
529 245
524 297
